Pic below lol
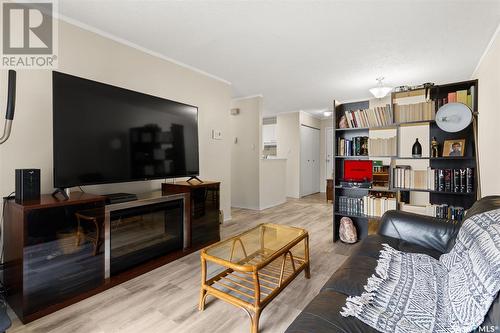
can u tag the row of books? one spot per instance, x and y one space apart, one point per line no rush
415 112
466 97
382 146
357 146
371 205
376 117
350 205
443 211
442 180
377 206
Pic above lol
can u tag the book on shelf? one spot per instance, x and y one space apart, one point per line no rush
443 211
356 146
462 96
414 112
452 97
465 96
368 205
349 205
378 205
377 117
382 146
442 180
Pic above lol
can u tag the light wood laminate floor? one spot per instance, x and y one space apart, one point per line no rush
166 299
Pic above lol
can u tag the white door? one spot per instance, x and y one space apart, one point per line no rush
305 161
316 160
329 153
309 160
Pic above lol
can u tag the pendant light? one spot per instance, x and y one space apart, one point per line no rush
380 90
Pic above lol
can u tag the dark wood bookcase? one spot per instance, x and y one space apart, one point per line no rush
367 224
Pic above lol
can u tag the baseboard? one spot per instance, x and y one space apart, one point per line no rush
271 206
245 207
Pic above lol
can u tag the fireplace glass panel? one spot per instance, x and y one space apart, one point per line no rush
140 234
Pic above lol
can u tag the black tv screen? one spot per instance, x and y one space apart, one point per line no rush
106 134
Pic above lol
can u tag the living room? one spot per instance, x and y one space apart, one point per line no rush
251 166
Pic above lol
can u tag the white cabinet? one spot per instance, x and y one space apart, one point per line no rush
309 160
269 134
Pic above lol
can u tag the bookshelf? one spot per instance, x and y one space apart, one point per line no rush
427 128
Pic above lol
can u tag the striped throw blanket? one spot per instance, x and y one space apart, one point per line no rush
412 292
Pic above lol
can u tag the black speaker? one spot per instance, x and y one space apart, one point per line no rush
27 185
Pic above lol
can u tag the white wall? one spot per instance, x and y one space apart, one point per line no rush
488 74
245 153
288 146
308 120
92 56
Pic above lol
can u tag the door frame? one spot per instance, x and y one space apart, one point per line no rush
301 187
330 128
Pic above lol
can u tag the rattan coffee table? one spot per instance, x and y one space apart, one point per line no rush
252 268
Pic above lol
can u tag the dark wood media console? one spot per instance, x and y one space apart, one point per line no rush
53 259
205 212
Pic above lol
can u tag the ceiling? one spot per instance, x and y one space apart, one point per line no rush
300 55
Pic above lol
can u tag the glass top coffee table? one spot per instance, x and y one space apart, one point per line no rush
252 268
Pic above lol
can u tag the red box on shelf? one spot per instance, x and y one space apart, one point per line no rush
358 170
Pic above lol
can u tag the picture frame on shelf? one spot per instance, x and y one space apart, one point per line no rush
454 148
343 122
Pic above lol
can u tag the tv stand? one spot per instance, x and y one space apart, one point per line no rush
204 209
194 178
61 191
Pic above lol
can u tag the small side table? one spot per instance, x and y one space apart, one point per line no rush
329 189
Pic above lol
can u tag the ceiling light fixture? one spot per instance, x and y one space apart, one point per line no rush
380 90
327 113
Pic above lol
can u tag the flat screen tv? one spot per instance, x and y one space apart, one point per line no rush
106 134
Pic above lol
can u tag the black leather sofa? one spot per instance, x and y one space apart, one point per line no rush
403 231
4 317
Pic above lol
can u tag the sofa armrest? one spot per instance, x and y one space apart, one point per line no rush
426 231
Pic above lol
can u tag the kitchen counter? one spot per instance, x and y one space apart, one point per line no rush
272 182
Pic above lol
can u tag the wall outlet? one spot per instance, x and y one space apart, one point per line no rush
216 134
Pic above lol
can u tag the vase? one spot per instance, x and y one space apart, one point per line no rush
416 150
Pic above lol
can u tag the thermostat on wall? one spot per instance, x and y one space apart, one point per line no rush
216 135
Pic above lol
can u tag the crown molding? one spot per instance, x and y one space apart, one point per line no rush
486 50
128 43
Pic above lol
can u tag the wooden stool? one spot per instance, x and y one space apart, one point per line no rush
92 217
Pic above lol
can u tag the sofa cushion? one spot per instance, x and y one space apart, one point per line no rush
485 204
372 245
351 277
322 315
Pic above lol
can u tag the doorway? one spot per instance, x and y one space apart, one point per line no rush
309 160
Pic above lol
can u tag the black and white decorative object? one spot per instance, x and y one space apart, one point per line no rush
409 292
11 101
416 150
